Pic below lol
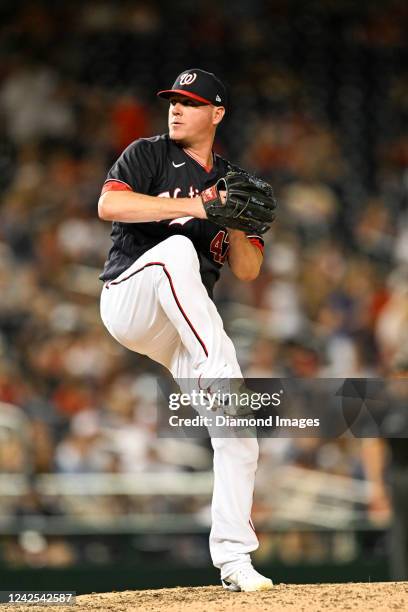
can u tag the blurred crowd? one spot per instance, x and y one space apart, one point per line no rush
319 102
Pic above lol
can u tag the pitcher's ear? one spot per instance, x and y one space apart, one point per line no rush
218 114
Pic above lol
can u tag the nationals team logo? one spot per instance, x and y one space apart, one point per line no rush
187 78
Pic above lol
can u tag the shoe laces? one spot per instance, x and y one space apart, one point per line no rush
247 571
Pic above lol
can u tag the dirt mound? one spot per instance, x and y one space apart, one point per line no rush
364 597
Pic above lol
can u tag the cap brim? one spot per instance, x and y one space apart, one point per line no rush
167 93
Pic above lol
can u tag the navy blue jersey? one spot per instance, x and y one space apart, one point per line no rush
157 166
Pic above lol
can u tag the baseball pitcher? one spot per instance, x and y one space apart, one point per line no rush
179 211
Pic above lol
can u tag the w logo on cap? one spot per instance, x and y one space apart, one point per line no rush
188 78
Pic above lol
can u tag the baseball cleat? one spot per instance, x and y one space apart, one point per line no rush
247 579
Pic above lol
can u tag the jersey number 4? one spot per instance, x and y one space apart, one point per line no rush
219 246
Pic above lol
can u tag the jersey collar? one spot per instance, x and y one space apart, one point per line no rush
208 169
179 156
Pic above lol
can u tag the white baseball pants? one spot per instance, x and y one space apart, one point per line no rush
159 307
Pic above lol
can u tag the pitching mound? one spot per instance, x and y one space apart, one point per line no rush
310 598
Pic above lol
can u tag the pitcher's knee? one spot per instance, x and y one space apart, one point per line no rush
120 332
182 249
